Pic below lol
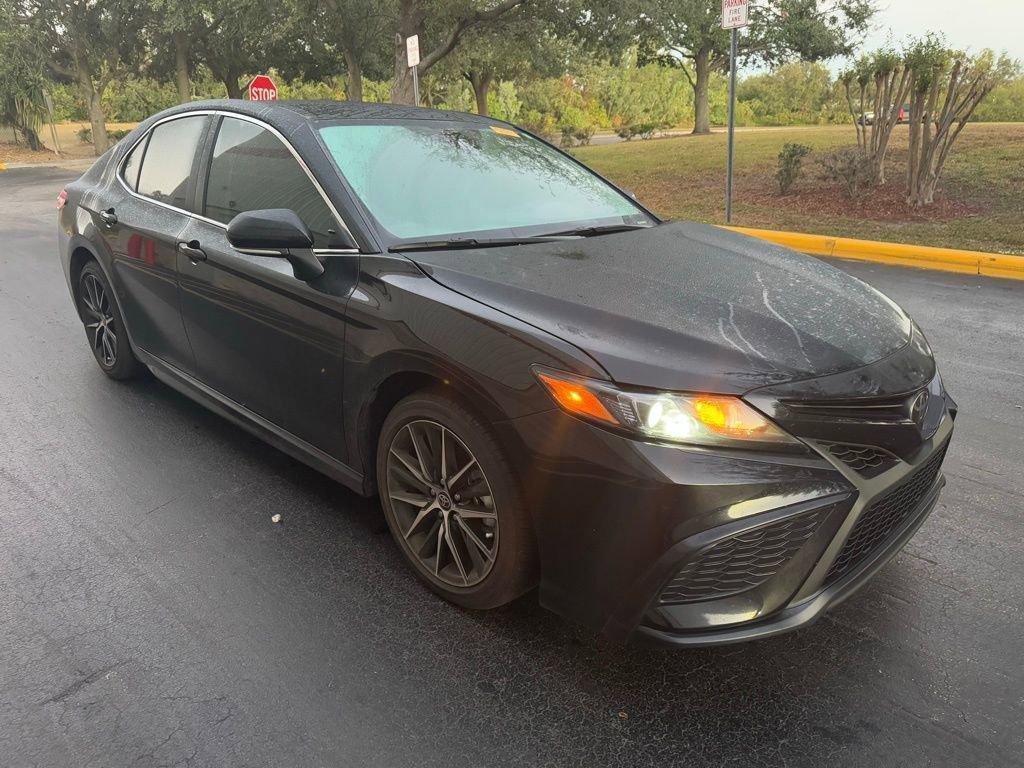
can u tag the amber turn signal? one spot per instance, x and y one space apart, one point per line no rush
728 416
577 399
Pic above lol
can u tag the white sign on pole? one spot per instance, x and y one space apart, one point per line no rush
412 50
735 13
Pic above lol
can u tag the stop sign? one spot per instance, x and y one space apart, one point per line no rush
262 88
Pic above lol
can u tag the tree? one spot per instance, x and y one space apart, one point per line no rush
798 92
182 20
882 81
172 27
640 99
946 88
446 21
232 37
22 105
349 33
495 53
88 42
689 33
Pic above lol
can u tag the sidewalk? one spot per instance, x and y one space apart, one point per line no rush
70 163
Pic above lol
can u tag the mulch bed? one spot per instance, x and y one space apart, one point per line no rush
813 197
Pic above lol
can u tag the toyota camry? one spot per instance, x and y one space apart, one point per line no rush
674 432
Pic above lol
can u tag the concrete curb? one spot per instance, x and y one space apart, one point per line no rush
921 256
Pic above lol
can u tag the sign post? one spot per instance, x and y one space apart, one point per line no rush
735 14
262 88
412 54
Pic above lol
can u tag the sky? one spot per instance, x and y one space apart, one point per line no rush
967 24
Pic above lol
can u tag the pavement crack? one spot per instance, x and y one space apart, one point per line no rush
165 504
84 682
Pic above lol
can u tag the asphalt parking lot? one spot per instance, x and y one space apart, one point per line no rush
152 615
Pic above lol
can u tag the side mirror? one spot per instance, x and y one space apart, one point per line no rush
276 232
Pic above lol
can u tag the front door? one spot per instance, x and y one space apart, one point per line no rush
262 338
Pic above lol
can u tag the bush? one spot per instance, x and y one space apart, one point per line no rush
640 99
791 160
561 107
540 124
85 135
642 130
851 166
136 98
1004 105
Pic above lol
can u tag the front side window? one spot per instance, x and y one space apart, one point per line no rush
252 169
423 179
167 163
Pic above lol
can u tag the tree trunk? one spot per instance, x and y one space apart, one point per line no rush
181 67
701 104
93 101
481 82
354 70
97 120
233 88
30 136
410 22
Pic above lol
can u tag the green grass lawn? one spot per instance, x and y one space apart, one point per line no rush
980 204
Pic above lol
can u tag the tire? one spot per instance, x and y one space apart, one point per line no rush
104 325
483 495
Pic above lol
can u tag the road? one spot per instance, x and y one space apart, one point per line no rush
151 614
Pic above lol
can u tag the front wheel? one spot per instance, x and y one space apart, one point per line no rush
453 504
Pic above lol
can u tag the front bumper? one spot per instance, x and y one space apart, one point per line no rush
618 521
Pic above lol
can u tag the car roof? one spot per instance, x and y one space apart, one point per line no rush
285 115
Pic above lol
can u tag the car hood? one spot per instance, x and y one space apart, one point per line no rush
684 306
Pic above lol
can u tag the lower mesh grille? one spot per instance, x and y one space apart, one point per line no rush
868 461
885 516
741 562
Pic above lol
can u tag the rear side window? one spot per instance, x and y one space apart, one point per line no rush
133 163
167 164
252 169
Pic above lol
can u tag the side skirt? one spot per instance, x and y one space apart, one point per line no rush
254 423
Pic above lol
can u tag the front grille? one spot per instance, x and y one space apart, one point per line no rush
741 562
865 459
874 409
885 516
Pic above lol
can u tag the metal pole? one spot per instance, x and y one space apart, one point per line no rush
416 83
732 124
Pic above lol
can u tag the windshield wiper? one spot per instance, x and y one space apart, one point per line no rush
605 229
470 242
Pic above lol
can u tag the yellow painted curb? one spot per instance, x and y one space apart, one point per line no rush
924 257
3 166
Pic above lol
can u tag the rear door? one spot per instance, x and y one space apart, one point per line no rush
142 222
262 338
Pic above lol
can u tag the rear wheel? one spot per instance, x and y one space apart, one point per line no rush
104 326
452 502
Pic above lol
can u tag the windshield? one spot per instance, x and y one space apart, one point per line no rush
438 179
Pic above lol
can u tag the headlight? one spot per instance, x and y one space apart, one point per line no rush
696 419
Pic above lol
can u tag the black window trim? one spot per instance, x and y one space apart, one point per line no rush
206 148
144 142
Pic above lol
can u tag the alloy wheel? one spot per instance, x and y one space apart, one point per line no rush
100 320
442 503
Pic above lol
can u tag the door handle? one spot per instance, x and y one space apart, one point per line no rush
192 250
108 217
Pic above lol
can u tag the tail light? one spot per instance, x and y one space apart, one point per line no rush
62 198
